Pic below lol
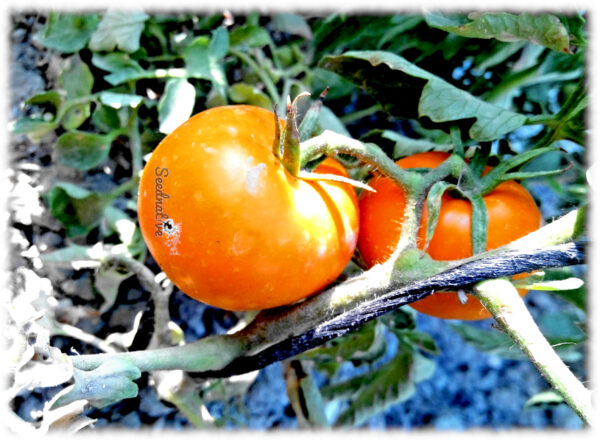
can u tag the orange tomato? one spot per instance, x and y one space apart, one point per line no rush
230 226
512 213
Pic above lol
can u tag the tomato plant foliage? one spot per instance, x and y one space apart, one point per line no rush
494 85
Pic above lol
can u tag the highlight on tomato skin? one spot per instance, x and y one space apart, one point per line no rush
230 226
512 213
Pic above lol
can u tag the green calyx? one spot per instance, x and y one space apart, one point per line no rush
467 182
286 146
290 141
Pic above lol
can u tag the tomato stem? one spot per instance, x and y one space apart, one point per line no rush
459 147
330 143
214 355
129 185
502 299
359 114
492 179
415 186
262 74
479 223
135 143
411 183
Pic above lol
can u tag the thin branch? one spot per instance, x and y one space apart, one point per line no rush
262 73
458 277
135 142
501 298
279 333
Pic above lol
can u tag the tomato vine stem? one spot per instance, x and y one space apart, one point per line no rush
262 74
135 143
459 147
330 143
501 298
308 319
414 186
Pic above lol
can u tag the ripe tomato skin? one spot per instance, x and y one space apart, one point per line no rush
241 232
512 213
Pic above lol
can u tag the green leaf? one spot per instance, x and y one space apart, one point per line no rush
82 150
197 58
66 32
570 119
75 116
338 86
249 36
118 221
219 43
500 344
107 281
443 102
176 104
75 78
121 29
403 146
340 32
421 340
77 81
407 33
287 55
543 29
544 399
304 396
577 297
111 382
378 389
501 52
534 67
292 24
400 24
76 256
106 118
78 209
562 327
51 97
576 26
121 67
550 286
364 344
150 139
401 87
242 93
488 341
329 121
34 129
203 59
119 100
